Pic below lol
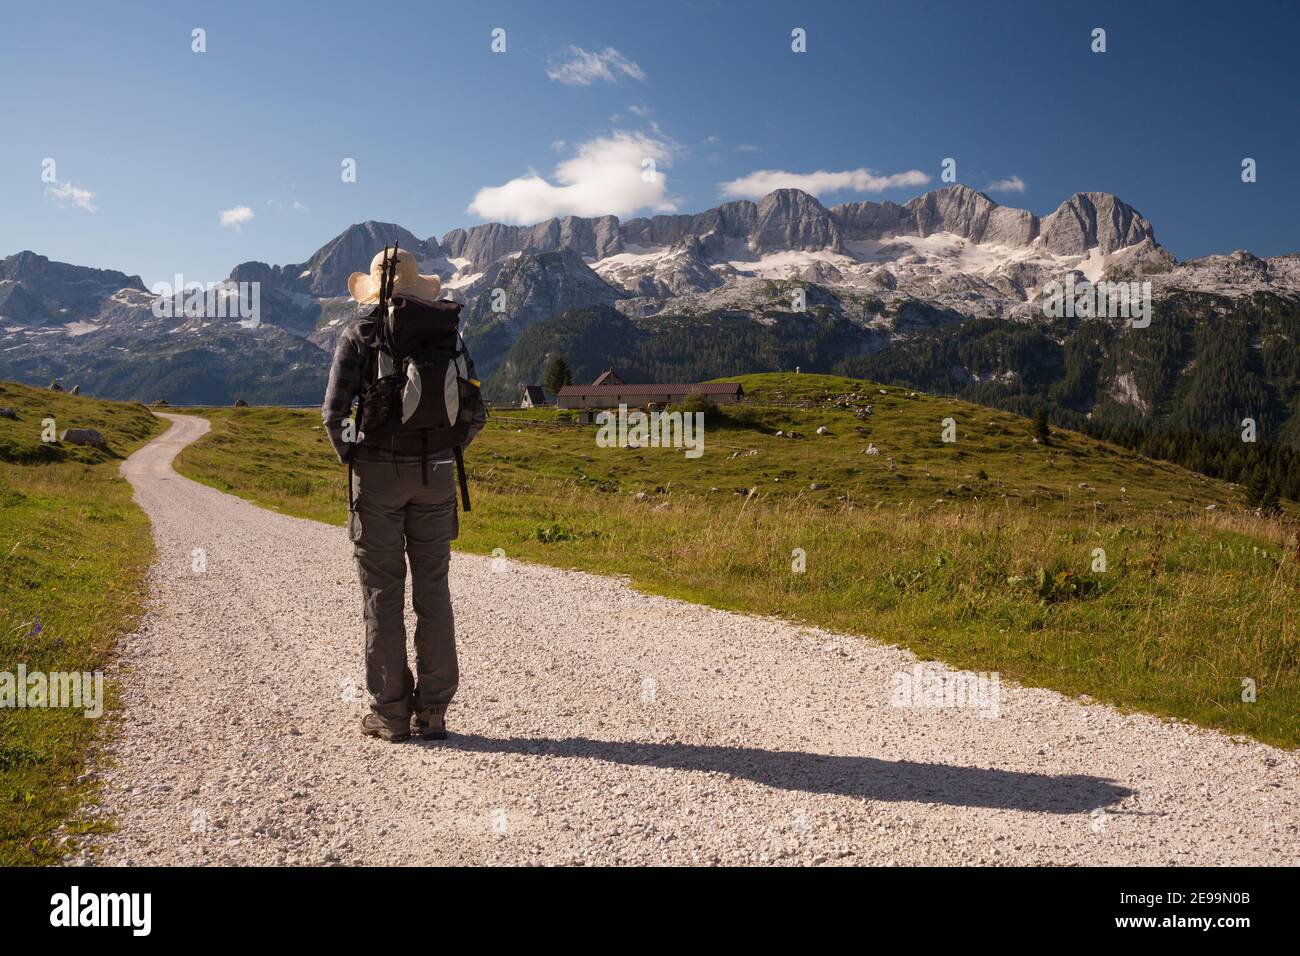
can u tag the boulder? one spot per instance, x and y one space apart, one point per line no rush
83 436
8 413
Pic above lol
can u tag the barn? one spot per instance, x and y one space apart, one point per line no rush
610 391
534 397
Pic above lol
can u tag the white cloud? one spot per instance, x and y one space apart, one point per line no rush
862 180
65 193
236 217
605 177
584 67
1012 184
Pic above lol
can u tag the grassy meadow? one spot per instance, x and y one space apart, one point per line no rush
983 552
73 554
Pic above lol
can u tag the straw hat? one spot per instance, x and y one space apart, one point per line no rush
408 281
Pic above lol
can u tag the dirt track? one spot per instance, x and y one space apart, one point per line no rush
597 725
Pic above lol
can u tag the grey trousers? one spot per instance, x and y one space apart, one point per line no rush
396 517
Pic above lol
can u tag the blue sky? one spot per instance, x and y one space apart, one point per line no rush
152 142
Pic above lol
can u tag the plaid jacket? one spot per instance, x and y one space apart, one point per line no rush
347 382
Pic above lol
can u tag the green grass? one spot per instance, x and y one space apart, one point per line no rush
73 553
978 553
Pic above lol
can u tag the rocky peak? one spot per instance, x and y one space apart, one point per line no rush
32 269
535 286
269 276
482 245
869 220
538 284
793 219
60 285
964 212
954 209
957 209
1086 220
348 252
730 220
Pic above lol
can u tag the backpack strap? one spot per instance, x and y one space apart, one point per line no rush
373 341
460 358
383 356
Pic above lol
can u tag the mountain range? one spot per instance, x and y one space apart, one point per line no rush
943 292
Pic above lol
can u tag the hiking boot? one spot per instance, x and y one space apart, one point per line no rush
372 725
431 724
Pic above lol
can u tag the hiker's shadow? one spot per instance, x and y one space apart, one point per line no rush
867 777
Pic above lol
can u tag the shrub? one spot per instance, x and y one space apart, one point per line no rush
550 533
699 403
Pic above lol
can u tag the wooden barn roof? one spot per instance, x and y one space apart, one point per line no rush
606 391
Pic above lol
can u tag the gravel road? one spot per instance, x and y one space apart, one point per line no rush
597 725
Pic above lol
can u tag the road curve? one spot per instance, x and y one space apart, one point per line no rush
598 725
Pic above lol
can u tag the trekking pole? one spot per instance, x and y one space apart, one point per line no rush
387 280
392 272
388 276
460 473
380 310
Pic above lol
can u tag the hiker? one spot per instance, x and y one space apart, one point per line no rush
418 406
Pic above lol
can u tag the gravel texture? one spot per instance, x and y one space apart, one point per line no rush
598 725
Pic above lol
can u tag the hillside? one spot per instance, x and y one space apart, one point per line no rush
1204 364
73 557
1179 389
1184 385
982 553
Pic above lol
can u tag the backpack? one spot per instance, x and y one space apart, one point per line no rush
422 399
